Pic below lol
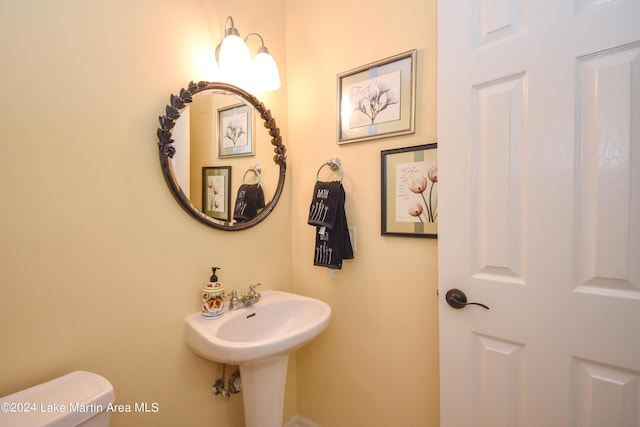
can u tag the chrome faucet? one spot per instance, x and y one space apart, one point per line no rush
244 300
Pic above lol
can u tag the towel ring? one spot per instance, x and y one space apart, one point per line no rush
256 169
334 164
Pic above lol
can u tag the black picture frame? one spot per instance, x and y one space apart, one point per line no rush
409 190
216 192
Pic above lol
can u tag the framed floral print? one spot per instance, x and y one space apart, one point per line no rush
377 100
216 192
235 131
410 191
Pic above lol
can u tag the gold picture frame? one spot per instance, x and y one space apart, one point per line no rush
235 131
377 100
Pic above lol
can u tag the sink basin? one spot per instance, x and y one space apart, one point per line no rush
278 324
259 339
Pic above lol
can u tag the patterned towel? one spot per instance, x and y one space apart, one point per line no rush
333 244
250 199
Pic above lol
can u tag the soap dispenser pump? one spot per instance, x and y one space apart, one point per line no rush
213 297
214 278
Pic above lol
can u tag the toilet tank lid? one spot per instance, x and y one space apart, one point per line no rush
67 400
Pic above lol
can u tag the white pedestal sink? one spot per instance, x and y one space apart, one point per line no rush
259 339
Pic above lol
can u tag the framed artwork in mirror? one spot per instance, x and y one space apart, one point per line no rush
235 131
410 191
377 100
216 192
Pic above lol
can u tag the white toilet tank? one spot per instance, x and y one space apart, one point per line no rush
76 399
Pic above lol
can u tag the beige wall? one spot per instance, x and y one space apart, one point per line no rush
99 266
377 363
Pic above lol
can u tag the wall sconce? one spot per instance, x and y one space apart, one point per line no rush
235 65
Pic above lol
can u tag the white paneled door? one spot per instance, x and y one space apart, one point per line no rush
539 174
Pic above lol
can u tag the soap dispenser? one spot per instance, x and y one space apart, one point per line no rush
213 297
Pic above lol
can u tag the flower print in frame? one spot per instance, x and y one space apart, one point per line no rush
216 192
235 131
410 191
377 100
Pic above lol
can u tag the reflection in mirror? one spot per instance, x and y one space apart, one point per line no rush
215 156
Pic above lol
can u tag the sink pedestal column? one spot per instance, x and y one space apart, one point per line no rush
263 386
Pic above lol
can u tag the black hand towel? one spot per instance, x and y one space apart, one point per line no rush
249 200
333 245
324 204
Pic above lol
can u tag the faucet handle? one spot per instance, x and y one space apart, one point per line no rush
233 300
252 291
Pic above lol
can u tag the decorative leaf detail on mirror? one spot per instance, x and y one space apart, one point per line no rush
172 112
185 95
165 143
177 102
168 122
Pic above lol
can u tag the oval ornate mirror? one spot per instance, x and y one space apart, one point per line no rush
212 157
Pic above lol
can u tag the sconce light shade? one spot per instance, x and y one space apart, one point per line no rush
236 66
265 72
234 53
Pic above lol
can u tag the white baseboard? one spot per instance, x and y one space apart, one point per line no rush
298 421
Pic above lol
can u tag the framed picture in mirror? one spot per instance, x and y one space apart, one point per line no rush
216 192
235 131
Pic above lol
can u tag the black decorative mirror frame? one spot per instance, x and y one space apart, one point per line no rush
167 150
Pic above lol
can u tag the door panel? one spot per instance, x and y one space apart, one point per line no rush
604 395
498 113
498 376
539 172
609 178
